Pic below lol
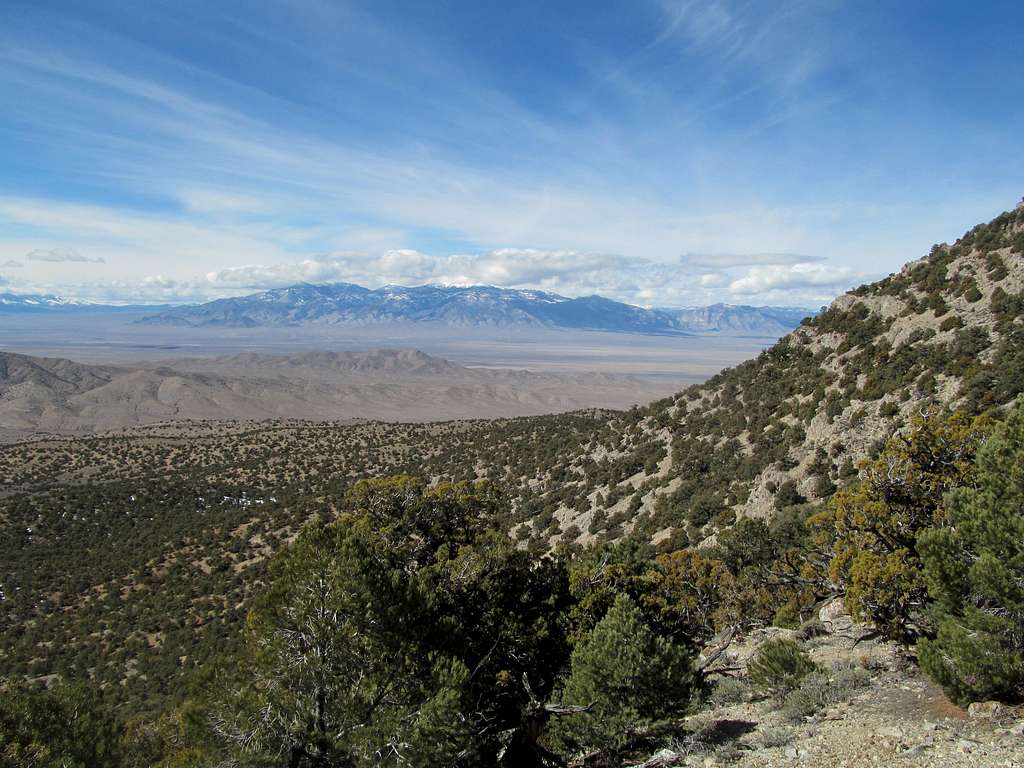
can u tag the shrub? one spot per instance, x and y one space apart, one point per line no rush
997 271
630 675
788 495
778 666
951 323
787 616
729 690
772 738
811 628
975 574
820 689
824 487
571 533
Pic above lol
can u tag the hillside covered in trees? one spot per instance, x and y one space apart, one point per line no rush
530 590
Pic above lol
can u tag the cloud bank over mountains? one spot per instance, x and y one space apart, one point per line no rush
692 280
637 281
144 256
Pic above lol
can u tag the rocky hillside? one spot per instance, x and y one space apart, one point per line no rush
868 705
788 426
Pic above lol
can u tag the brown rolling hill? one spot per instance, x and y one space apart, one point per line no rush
57 395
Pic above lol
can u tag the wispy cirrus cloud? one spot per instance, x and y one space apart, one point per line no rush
727 260
62 256
782 44
742 134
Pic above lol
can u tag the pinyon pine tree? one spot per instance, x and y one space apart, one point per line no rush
779 665
631 677
975 572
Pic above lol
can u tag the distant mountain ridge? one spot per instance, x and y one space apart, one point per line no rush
36 302
739 318
472 306
17 303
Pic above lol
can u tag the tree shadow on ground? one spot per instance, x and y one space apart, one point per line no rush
723 732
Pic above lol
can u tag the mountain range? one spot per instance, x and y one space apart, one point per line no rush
37 302
473 306
18 303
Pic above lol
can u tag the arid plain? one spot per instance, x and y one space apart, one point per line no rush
87 372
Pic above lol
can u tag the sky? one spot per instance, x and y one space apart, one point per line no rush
658 152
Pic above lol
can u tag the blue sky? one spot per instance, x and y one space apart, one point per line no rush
661 152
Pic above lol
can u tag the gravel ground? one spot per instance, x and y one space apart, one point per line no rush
899 719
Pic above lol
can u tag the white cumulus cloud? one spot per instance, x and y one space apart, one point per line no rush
514 267
774 277
741 279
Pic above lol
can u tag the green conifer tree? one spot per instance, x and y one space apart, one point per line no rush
779 665
631 677
66 726
332 672
975 573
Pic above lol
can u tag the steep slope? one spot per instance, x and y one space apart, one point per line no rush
473 306
946 331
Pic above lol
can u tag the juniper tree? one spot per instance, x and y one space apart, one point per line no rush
400 633
872 527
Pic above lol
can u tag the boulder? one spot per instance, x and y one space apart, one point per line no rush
837 621
988 710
